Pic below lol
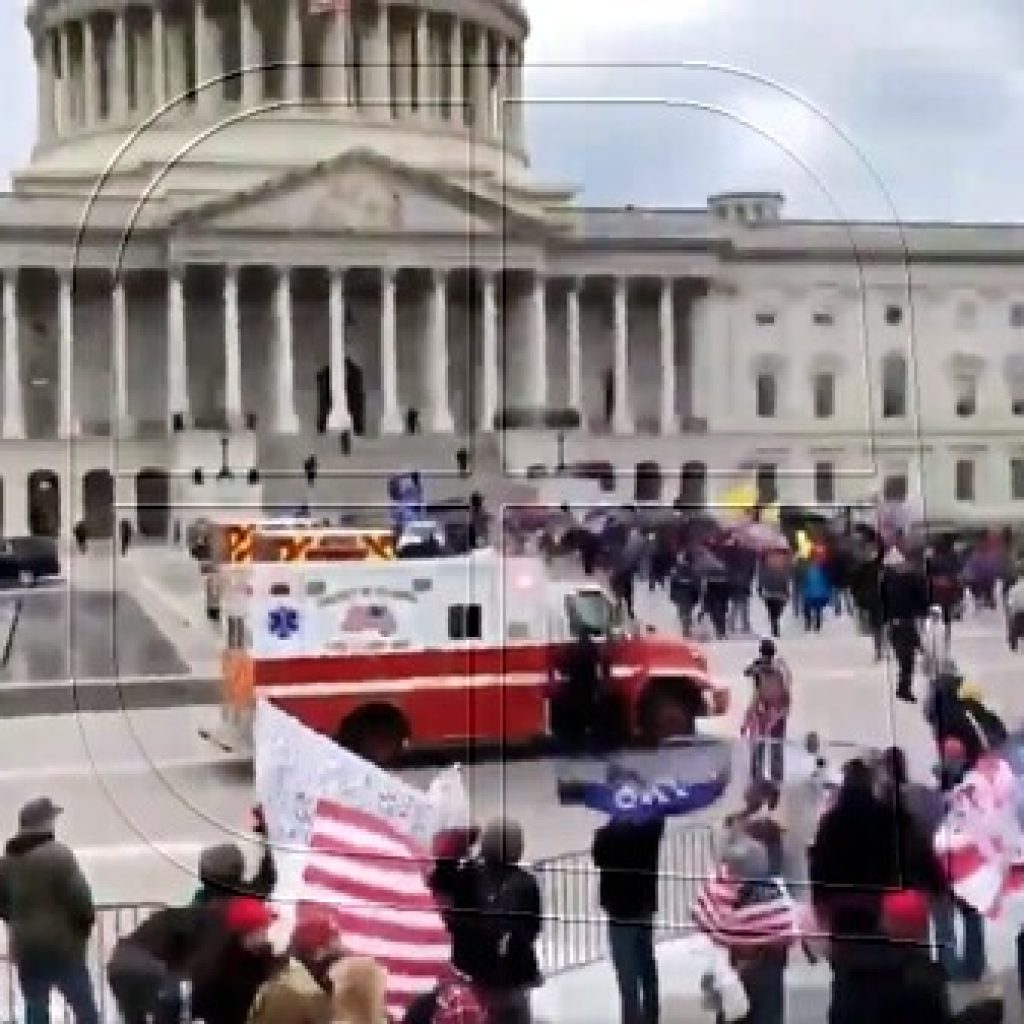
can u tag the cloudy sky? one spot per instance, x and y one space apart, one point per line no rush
856 109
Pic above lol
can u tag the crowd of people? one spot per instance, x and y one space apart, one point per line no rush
216 960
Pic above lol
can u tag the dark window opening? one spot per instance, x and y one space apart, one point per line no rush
465 622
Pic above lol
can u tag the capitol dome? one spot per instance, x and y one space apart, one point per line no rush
208 96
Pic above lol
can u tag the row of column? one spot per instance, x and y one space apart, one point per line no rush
158 73
283 415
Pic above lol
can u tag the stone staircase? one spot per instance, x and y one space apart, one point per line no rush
356 483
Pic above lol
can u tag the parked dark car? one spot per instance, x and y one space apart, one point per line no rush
26 560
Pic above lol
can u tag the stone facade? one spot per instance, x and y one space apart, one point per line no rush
249 221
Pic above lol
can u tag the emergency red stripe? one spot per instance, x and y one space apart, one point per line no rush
357 667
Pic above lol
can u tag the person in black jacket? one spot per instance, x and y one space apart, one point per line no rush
626 855
904 603
492 911
148 967
233 963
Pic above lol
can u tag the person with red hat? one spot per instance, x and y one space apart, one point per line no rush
235 964
300 991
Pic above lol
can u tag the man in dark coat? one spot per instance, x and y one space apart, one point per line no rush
904 603
492 911
233 963
47 906
626 854
148 967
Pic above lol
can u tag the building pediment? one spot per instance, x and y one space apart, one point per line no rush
364 193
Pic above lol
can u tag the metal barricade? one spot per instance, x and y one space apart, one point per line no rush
113 921
574 932
575 929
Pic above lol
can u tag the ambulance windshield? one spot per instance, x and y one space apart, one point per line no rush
589 612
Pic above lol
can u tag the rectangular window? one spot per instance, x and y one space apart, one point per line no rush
764 318
767 483
465 622
1016 388
824 395
1017 479
894 487
964 483
966 388
1017 315
767 395
823 319
893 315
824 483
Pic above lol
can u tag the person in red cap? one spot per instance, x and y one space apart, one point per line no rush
235 965
300 992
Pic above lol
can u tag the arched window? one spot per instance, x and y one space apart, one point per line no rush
894 386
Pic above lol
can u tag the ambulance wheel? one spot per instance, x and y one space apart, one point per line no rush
668 708
378 733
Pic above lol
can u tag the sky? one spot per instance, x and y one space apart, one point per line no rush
881 109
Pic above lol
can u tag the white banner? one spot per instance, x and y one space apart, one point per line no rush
295 767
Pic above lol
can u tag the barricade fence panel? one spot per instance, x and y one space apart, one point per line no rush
574 932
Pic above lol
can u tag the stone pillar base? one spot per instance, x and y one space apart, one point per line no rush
338 422
669 425
392 422
287 423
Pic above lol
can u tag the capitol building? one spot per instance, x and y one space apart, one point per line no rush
270 229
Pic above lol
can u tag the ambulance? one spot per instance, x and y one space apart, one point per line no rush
279 540
387 654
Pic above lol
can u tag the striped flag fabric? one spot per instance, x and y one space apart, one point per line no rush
980 841
772 921
369 879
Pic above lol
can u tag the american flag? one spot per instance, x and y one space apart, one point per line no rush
770 922
369 878
980 842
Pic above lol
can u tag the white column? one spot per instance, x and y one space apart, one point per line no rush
65 354
500 111
158 28
574 354
622 415
64 90
516 109
378 98
119 357
391 416
538 344
47 89
90 73
481 84
119 83
292 51
286 419
336 56
252 55
208 62
455 58
14 408
426 73
177 352
402 41
340 417
669 418
489 355
232 352
440 408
